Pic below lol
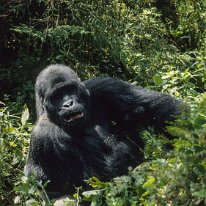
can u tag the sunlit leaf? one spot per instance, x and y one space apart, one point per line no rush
150 181
25 115
157 80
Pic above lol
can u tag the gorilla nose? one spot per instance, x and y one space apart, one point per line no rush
68 104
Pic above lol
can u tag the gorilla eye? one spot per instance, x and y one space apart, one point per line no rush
55 98
58 94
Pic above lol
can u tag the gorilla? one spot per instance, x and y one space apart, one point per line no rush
90 128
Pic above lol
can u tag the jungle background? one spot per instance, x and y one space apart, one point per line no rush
157 44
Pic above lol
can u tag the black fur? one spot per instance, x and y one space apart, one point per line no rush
89 128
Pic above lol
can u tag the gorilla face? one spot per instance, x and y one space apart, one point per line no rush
67 104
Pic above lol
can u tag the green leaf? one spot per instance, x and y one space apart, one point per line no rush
24 179
201 193
91 193
157 80
150 181
17 199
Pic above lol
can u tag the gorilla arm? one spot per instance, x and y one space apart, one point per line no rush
133 106
40 141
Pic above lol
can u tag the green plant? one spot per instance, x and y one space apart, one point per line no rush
159 44
14 141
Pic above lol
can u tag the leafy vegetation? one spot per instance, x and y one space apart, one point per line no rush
158 44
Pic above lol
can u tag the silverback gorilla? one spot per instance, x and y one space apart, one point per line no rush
89 128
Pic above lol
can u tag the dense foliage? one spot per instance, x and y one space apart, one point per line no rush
158 44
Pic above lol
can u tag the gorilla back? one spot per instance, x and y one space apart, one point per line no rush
89 128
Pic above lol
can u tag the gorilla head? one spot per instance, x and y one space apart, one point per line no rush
63 97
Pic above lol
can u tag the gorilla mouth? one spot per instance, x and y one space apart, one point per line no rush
72 117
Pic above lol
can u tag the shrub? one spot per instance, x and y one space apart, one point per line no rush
14 140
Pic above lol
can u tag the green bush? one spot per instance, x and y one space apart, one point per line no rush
14 140
158 44
127 39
